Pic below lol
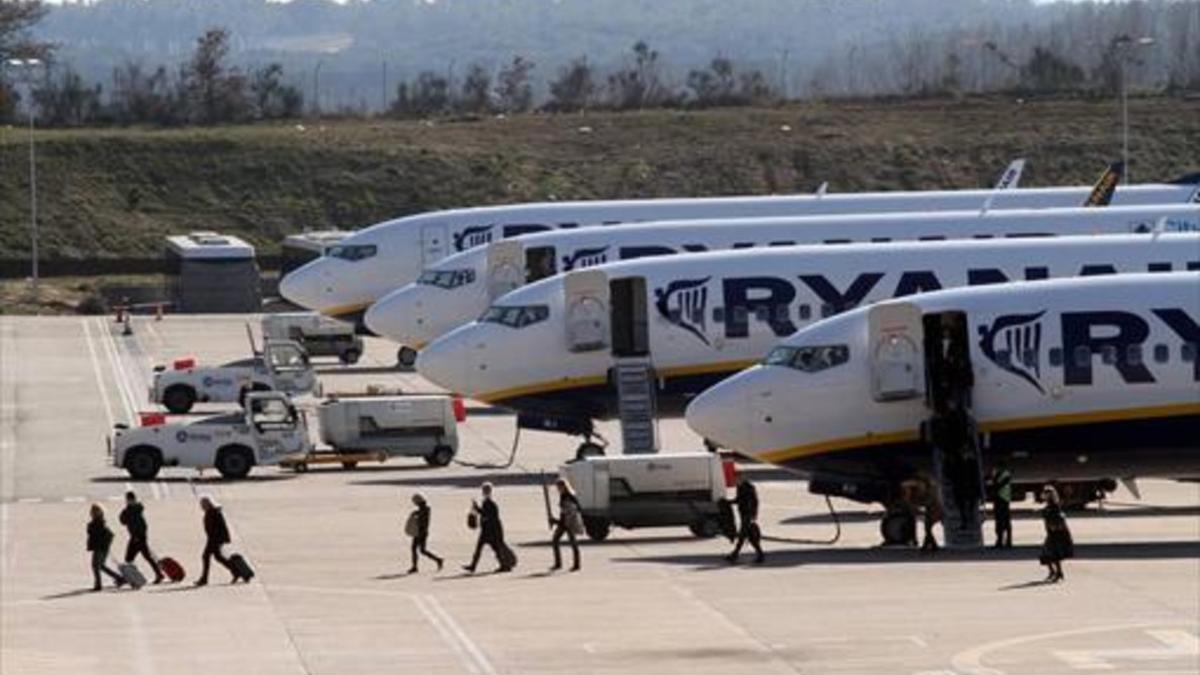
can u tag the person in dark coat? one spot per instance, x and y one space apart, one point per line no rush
1058 545
216 535
748 530
1000 488
491 530
420 517
568 512
133 517
99 540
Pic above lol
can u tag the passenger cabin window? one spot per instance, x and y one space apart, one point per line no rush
1188 352
809 359
1108 354
805 312
1162 353
1056 357
447 279
1133 355
352 252
516 317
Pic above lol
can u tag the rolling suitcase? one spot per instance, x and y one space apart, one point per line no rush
172 569
132 575
241 567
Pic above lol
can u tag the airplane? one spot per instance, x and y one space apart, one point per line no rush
1073 379
459 288
548 350
373 261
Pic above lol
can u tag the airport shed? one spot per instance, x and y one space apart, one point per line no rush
208 273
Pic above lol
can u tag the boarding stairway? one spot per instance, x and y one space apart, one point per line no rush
961 530
635 382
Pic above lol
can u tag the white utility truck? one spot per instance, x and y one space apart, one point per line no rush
420 425
282 365
660 490
271 431
267 430
318 334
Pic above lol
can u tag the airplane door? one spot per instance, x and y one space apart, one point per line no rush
434 244
896 343
587 310
505 267
630 324
540 262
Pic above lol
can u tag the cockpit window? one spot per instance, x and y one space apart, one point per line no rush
352 252
447 278
810 358
516 317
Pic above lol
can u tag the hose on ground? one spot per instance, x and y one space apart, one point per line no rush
512 456
837 531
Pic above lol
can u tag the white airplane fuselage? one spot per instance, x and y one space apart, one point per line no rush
371 262
459 288
545 350
1074 379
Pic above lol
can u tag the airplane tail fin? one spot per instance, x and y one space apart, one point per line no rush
1011 178
1102 191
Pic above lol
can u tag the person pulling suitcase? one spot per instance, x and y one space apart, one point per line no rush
133 517
216 535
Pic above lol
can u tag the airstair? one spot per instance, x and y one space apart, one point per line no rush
635 382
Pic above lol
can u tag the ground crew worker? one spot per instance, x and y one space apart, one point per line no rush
99 540
568 522
216 535
420 533
1000 487
748 530
133 517
921 493
491 530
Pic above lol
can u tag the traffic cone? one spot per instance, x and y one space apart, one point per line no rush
158 312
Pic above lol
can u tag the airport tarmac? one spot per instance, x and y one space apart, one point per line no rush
331 595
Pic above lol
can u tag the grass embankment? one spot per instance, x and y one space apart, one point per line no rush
113 193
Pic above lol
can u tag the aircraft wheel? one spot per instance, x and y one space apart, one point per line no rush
406 357
898 529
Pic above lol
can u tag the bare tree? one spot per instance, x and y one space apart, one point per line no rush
217 92
477 89
575 87
514 92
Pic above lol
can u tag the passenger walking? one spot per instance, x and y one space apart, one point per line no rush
133 517
569 523
748 530
216 535
1000 487
99 541
1058 545
417 527
491 531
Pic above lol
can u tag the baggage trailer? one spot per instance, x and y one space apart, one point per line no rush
318 334
409 425
661 490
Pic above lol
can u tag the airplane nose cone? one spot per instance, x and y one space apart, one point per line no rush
718 414
446 362
385 318
302 286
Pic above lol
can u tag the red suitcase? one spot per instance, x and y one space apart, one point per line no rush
172 569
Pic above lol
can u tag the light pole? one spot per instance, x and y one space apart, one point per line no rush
26 68
317 89
1124 46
